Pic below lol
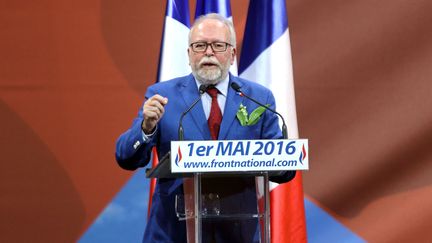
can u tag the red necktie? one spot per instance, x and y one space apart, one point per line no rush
215 117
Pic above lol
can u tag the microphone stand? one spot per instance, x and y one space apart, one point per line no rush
282 176
202 89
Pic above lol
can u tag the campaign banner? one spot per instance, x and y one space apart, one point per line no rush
239 155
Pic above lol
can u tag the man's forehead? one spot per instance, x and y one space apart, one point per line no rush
212 22
210 28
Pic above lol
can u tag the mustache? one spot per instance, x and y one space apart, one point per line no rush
209 60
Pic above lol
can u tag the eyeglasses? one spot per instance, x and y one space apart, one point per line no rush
215 46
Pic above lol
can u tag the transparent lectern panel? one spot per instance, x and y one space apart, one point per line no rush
223 208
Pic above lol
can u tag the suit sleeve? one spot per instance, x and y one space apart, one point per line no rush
132 151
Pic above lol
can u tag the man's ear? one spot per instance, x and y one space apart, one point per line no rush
233 55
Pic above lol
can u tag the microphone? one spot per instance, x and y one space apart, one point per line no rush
237 88
202 89
281 176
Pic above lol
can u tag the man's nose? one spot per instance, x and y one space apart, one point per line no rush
209 50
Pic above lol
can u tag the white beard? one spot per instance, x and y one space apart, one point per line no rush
210 76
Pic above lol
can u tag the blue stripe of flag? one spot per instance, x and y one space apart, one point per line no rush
179 10
213 6
262 28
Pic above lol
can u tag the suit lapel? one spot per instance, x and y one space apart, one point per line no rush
231 107
190 93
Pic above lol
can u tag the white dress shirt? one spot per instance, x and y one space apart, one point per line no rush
206 99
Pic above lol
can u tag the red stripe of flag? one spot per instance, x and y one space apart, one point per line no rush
288 222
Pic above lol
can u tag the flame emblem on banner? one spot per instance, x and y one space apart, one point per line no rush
302 154
178 156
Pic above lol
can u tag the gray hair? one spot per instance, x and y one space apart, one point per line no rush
220 18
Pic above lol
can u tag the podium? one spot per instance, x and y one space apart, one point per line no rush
226 191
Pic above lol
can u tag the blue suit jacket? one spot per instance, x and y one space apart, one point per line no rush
132 152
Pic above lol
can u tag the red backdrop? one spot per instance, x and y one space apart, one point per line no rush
73 74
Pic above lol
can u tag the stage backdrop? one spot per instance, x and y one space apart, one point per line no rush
73 75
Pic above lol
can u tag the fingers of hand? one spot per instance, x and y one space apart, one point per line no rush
162 100
154 107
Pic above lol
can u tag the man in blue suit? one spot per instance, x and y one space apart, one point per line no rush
211 52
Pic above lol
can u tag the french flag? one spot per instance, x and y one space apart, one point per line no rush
173 58
266 59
